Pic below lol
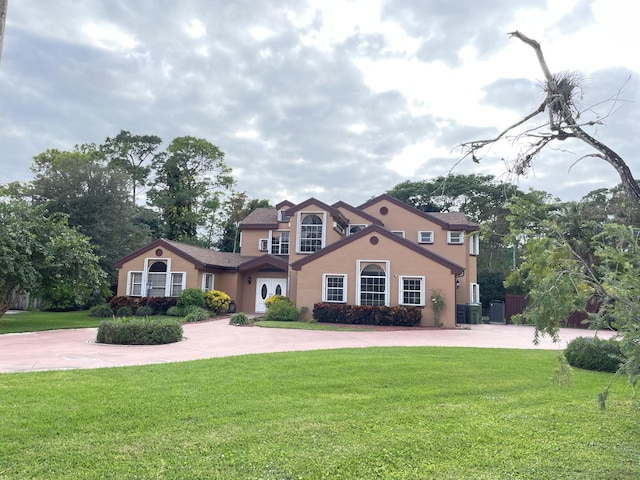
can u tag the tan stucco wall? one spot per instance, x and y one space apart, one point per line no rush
308 281
250 246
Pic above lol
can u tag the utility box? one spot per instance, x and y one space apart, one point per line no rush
496 312
475 313
461 314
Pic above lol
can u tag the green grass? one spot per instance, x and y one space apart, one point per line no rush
388 413
35 321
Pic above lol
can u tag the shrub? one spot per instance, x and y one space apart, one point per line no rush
366 315
124 312
281 310
196 314
101 311
275 298
139 331
175 312
191 296
145 311
217 301
239 319
160 305
593 353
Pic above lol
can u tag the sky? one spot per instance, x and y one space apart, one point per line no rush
333 99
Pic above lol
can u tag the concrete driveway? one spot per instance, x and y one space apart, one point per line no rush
75 349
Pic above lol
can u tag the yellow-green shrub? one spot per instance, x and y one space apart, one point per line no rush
217 301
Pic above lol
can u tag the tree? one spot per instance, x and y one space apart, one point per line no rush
190 180
42 255
94 196
562 92
130 153
235 209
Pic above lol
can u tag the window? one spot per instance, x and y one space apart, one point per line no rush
455 238
425 237
157 278
263 244
474 293
311 233
355 228
177 284
373 286
280 244
411 290
134 284
282 217
474 244
398 233
334 288
207 282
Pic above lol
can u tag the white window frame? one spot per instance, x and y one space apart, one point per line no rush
425 233
401 279
474 293
172 283
263 245
455 238
204 281
278 235
325 287
398 233
131 283
361 225
474 244
323 236
147 263
387 269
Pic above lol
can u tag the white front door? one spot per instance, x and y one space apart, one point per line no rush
266 287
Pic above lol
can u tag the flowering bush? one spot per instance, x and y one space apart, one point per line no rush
276 298
217 301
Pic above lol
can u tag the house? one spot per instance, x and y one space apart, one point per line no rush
383 252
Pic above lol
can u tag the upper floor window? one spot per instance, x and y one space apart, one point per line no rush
263 244
425 237
455 238
311 233
474 244
474 293
355 228
280 243
398 233
282 217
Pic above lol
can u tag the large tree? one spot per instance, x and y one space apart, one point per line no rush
40 254
564 119
95 197
133 154
191 179
234 209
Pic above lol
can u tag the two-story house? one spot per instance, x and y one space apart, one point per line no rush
383 252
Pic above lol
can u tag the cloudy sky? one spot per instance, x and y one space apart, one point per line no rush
337 99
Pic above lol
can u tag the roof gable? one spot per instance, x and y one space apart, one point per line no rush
446 220
335 213
454 268
355 211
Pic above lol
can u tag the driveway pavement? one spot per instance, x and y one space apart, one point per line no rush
75 349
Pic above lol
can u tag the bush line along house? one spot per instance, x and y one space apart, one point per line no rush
383 252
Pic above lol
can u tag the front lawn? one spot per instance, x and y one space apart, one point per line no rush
404 413
34 321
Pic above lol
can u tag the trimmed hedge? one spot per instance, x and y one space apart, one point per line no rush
280 309
139 331
101 311
593 353
196 314
365 315
159 305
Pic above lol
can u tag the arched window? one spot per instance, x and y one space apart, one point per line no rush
156 279
311 234
373 286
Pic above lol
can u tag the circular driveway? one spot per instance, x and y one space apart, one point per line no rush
75 349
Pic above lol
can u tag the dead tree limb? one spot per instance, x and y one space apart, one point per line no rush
561 105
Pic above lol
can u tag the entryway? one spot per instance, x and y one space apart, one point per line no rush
265 288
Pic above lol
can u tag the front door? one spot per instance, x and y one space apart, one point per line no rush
266 287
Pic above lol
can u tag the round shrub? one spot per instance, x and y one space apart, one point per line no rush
144 311
276 298
101 311
124 312
593 353
281 310
196 314
217 301
239 319
139 331
175 311
191 296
